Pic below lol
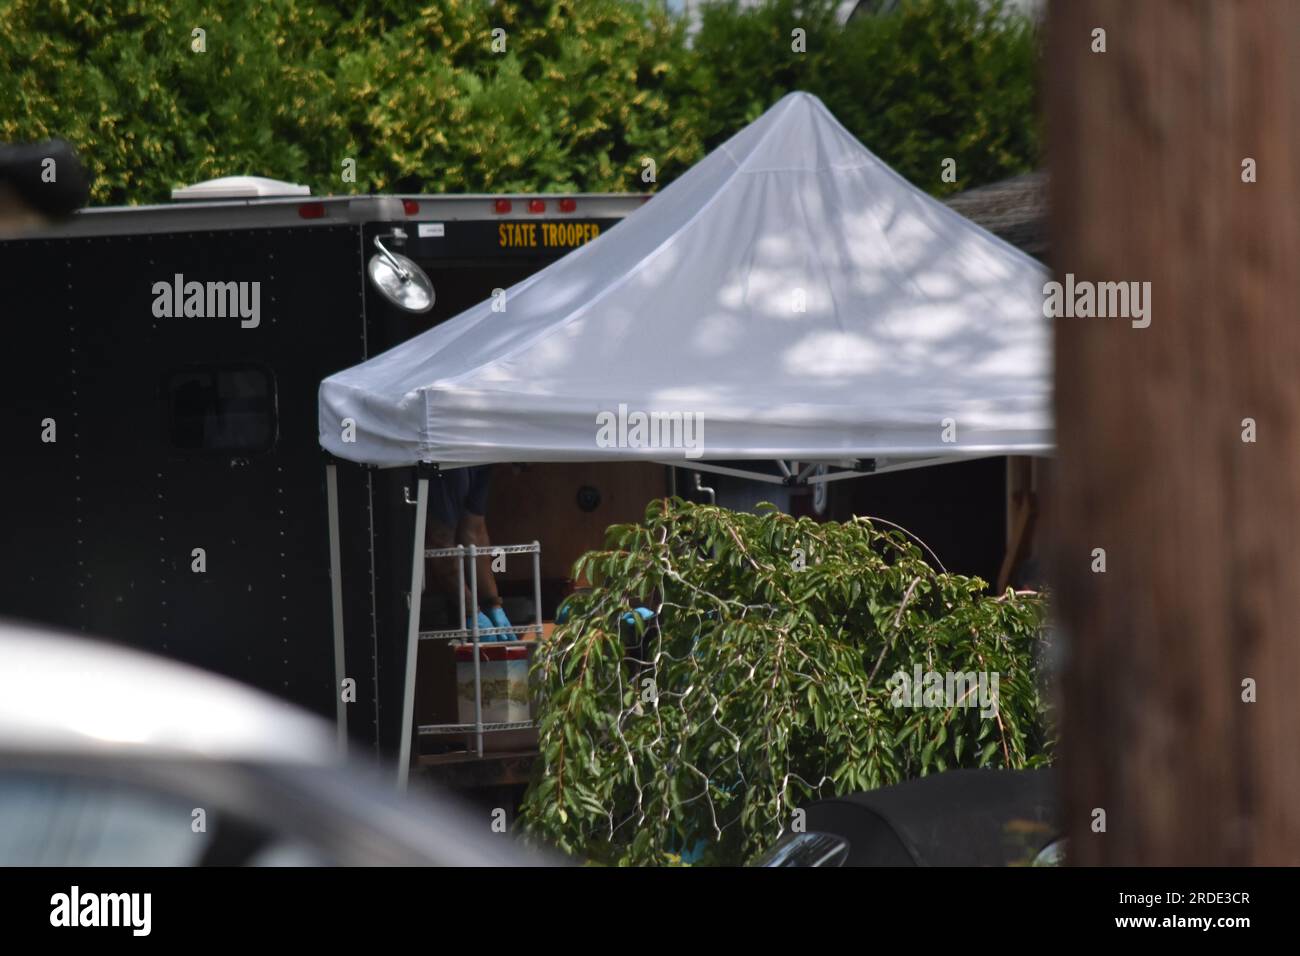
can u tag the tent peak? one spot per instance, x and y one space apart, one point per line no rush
796 134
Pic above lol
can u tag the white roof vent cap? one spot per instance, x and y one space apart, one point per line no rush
240 187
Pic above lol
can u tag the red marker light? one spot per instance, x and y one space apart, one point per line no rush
568 205
411 206
536 206
502 206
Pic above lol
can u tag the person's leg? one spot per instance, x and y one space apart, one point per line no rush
445 494
442 571
472 529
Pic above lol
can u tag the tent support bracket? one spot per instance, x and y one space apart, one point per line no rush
857 468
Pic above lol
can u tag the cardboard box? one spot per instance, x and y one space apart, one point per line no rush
444 694
502 680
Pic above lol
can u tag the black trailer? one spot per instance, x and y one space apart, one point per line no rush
162 484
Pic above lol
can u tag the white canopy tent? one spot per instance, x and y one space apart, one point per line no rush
789 298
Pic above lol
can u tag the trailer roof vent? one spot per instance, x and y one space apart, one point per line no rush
240 187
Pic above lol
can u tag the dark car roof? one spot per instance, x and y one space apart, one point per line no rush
957 818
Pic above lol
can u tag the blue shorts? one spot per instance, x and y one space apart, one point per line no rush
454 494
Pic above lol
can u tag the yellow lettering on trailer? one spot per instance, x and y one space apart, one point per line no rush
568 234
516 235
512 235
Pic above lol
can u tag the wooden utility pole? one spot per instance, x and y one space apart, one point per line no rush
1150 142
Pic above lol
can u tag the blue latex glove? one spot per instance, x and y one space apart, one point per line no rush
499 619
562 615
642 612
484 622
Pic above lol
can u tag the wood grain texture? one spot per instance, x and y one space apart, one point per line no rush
1201 530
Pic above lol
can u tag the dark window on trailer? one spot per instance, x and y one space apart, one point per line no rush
221 408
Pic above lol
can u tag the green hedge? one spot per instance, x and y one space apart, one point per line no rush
413 92
936 79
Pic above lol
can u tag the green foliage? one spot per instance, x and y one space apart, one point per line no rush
761 684
412 90
573 104
932 80
290 88
120 81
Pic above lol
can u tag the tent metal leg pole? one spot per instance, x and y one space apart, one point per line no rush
460 584
478 678
413 632
336 595
537 586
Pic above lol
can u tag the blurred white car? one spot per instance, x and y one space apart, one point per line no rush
111 757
